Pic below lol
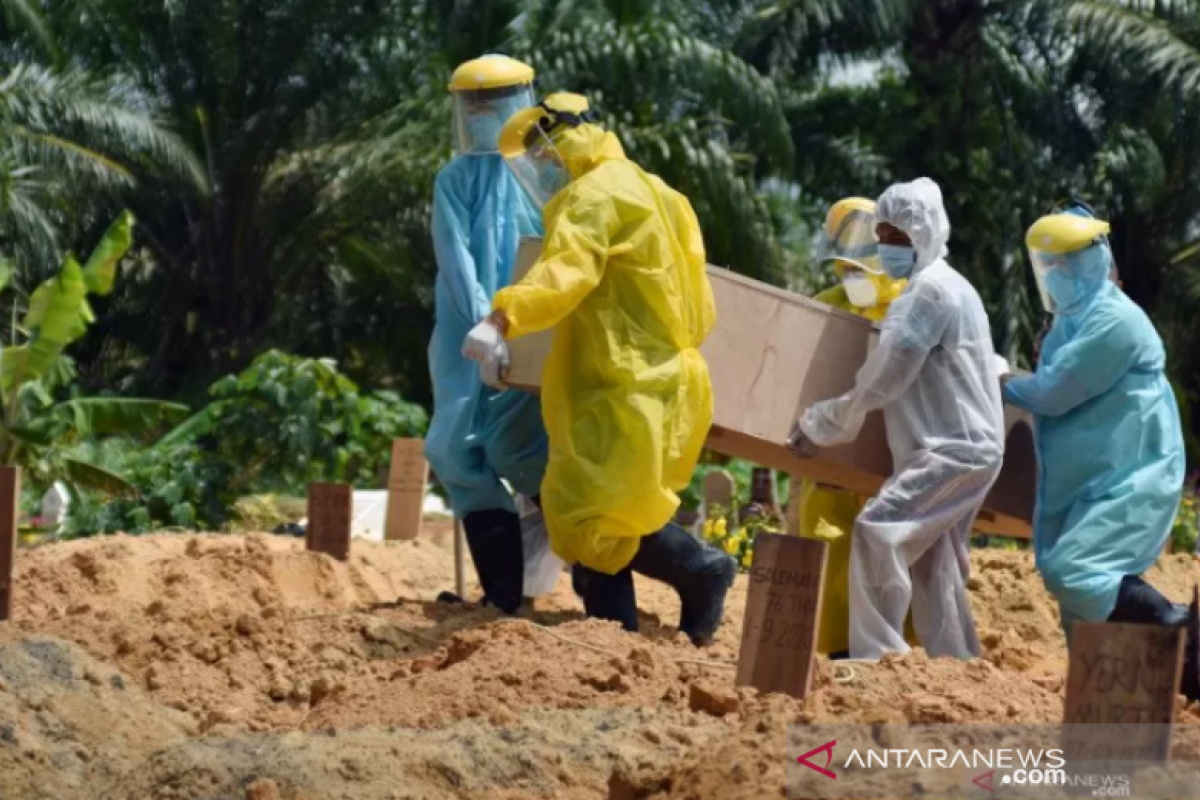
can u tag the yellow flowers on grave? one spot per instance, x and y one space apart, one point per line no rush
737 541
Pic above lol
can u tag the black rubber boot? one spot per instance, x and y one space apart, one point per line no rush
1139 602
698 572
610 597
494 538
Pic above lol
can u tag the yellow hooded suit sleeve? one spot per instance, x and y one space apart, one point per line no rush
574 254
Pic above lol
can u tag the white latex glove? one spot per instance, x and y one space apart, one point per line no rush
800 444
485 345
1002 366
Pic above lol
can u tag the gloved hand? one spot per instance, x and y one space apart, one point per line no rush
1002 366
1002 369
800 444
485 345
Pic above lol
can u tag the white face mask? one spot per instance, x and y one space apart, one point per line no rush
860 290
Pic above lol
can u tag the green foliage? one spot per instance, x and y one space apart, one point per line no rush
281 158
37 432
278 426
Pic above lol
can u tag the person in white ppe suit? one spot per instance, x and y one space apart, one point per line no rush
935 378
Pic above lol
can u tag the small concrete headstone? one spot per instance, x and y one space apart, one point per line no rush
56 502
720 491
407 482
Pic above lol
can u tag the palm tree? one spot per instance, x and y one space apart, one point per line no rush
710 124
67 141
275 97
1145 59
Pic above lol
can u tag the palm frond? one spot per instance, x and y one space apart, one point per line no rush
654 71
72 107
1132 35
25 14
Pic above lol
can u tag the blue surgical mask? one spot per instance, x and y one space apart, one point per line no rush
1083 275
484 131
897 260
1066 290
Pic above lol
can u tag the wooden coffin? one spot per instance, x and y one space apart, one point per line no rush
772 354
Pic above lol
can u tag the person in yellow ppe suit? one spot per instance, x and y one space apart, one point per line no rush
828 513
626 395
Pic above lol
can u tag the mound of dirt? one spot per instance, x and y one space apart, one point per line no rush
67 720
252 668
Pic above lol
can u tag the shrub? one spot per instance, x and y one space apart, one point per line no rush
281 424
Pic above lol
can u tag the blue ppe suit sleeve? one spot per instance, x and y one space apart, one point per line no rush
452 246
914 325
1091 363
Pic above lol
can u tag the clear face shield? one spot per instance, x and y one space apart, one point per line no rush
1049 268
479 115
851 241
539 168
1067 282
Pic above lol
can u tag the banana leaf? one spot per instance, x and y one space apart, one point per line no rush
92 477
59 312
100 272
107 416
56 317
199 424
30 436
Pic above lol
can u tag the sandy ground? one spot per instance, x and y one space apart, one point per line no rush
188 666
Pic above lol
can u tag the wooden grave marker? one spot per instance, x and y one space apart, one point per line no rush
720 490
407 481
1121 673
460 574
329 512
763 489
779 631
10 493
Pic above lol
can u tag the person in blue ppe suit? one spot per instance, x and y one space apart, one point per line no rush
478 435
1109 440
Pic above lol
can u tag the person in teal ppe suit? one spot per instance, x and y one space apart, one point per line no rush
1109 440
478 435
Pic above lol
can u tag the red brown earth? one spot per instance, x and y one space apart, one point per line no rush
182 666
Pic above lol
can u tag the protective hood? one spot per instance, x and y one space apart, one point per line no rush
586 147
917 209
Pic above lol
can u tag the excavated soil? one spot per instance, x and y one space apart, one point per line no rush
188 666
